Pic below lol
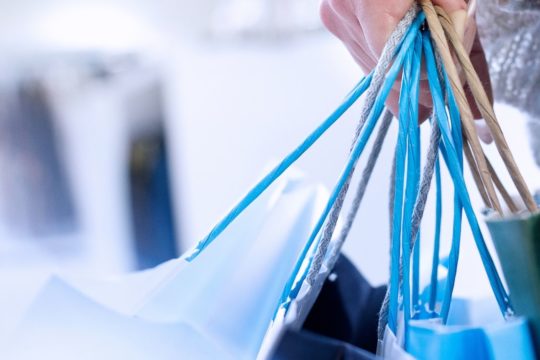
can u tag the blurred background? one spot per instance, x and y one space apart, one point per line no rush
127 128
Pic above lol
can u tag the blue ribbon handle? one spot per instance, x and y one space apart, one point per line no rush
277 171
357 150
452 160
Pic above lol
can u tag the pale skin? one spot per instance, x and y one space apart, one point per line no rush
364 26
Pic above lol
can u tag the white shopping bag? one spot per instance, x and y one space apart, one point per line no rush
219 305
392 348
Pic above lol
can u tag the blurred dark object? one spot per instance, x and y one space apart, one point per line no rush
36 197
151 204
342 323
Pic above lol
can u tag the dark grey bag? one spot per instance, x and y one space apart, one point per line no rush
342 323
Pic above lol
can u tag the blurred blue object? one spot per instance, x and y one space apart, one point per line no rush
37 199
152 213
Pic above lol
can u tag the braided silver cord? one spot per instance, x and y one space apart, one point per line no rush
384 62
364 181
376 83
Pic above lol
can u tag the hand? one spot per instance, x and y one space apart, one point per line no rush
365 25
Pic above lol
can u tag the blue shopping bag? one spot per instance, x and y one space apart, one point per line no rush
516 240
506 340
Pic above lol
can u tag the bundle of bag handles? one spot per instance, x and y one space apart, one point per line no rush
441 64
452 134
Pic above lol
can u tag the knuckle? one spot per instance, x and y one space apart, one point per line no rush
326 13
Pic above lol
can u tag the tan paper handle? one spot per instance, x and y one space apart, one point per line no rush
438 36
443 33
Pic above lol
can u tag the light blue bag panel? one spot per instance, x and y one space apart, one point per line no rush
219 305
509 340
66 324
505 339
128 294
442 342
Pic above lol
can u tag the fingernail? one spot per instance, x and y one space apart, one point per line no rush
484 133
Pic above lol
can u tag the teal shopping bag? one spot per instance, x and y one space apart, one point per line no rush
517 241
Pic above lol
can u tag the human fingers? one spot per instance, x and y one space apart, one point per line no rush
379 18
350 34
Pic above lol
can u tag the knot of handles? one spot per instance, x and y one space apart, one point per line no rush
446 37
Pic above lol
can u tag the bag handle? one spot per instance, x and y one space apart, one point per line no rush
443 34
401 40
450 155
438 36
280 168
488 113
451 149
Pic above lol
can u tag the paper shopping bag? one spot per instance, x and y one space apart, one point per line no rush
218 305
517 241
461 338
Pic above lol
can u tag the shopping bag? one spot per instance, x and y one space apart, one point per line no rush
341 324
506 340
517 241
305 345
219 305
474 329
219 299
201 290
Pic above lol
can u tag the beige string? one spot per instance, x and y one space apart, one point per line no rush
498 183
469 32
471 28
475 173
486 109
438 35
504 193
